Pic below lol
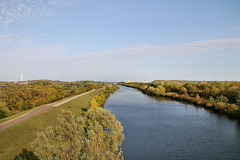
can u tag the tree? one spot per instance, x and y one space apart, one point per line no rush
161 89
4 110
222 99
197 96
143 87
96 135
238 98
151 90
76 91
93 103
183 90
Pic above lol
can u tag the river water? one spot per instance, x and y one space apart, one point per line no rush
157 128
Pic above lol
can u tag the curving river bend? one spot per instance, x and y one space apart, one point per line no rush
156 128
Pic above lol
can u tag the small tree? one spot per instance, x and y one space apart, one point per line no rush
4 110
151 90
197 96
238 98
183 90
93 103
76 91
222 99
211 99
162 89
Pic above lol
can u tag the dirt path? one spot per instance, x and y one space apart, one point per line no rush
35 112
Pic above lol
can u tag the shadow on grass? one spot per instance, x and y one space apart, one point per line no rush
26 155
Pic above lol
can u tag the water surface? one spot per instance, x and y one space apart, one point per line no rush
156 128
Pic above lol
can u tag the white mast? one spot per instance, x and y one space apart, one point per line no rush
21 76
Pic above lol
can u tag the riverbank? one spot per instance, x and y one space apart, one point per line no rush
218 104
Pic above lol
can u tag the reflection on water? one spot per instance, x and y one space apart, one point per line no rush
159 128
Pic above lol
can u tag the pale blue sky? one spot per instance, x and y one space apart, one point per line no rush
117 40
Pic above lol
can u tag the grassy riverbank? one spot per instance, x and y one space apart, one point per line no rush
15 139
223 97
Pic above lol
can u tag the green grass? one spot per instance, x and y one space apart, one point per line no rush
63 99
15 139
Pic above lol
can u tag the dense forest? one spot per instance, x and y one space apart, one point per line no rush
16 97
222 96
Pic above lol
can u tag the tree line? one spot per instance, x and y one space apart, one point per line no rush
16 98
100 100
222 96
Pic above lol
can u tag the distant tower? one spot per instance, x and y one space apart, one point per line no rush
21 76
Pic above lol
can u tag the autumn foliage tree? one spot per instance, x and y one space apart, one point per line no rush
95 135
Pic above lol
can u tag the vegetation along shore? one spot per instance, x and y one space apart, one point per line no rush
221 96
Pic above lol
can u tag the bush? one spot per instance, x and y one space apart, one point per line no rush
232 108
220 106
222 99
96 135
208 104
151 90
4 110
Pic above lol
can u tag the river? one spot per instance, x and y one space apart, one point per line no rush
157 128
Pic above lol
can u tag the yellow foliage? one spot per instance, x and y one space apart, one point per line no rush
93 103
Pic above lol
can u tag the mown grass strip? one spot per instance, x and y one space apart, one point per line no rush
15 139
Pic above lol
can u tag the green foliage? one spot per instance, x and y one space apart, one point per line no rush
238 98
222 99
211 99
100 100
4 111
183 90
76 138
151 90
160 90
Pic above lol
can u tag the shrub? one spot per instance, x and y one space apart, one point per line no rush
222 99
208 104
220 106
161 89
93 103
4 110
151 90
96 135
143 87
183 90
232 108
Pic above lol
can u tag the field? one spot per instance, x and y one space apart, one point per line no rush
15 139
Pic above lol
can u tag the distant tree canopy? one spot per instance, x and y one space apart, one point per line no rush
16 98
95 135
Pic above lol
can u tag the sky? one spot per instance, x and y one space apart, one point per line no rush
120 40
